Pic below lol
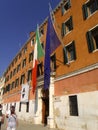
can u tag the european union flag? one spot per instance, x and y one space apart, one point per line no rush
52 42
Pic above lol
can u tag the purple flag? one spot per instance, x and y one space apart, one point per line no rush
52 42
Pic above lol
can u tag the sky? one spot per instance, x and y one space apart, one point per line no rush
17 19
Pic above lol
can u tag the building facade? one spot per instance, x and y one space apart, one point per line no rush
74 71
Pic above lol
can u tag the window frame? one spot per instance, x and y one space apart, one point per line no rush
90 40
73 105
85 8
65 31
67 3
65 53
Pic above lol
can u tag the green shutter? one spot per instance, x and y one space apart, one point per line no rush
62 10
71 23
97 4
53 59
84 9
90 41
74 50
63 30
69 5
65 55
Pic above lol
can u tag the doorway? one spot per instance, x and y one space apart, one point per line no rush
45 106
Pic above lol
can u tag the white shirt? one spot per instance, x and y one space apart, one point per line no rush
12 121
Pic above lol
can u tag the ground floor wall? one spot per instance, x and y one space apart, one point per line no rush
76 101
87 118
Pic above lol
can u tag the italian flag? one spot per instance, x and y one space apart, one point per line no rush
38 52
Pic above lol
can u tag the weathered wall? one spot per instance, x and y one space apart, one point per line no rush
88 112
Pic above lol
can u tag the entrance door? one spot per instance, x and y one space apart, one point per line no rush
45 106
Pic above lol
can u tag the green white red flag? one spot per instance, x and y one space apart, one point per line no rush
38 53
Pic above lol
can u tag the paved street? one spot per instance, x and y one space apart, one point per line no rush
27 126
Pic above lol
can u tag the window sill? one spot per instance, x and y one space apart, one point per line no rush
95 50
67 33
92 14
69 62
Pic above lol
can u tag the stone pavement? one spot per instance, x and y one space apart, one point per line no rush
28 126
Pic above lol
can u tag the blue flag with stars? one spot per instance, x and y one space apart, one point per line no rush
52 42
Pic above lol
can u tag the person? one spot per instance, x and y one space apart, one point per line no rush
12 121
1 116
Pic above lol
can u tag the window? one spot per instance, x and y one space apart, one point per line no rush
69 53
29 75
27 109
22 79
67 26
12 63
18 67
30 56
17 82
53 62
8 78
32 42
73 107
14 71
10 74
66 6
4 90
13 85
92 39
39 69
42 44
20 107
25 49
41 32
20 54
89 8
8 87
24 63
15 59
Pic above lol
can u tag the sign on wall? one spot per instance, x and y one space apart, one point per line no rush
25 93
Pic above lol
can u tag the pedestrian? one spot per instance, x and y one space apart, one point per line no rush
1 116
12 121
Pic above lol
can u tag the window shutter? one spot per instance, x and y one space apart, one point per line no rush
90 41
69 5
71 23
84 9
8 87
74 50
53 59
62 10
97 4
63 30
65 55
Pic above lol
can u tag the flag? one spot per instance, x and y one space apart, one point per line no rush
38 52
47 59
52 42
